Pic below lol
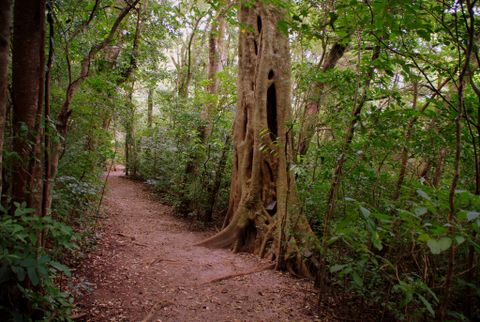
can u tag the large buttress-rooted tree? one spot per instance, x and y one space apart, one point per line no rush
263 216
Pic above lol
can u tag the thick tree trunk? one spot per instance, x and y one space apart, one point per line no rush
5 24
28 85
263 216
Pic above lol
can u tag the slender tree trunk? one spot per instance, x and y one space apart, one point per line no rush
349 133
187 78
47 138
130 157
5 25
439 167
150 108
27 87
310 113
215 49
263 215
219 173
408 137
458 153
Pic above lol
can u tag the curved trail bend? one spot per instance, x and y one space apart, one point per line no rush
145 268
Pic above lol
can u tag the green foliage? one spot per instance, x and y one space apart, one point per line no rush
28 275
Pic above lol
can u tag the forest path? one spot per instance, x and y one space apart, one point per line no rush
145 268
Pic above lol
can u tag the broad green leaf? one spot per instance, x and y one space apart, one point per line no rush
439 245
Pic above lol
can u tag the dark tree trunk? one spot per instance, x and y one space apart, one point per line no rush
5 26
27 95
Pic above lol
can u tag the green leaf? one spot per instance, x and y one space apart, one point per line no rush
424 237
60 267
365 212
33 275
420 211
357 279
423 194
427 304
459 239
440 245
377 243
19 271
336 268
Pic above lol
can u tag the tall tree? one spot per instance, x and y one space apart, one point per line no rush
27 95
5 26
263 216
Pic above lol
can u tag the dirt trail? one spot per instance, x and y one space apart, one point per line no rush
145 268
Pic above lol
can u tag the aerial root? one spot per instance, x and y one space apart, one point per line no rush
266 238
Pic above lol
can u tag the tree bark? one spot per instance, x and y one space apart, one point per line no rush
263 215
5 26
215 48
27 95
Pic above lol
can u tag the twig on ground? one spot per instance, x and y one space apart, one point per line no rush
225 277
157 306
157 260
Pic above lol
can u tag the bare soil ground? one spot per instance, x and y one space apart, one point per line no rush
146 268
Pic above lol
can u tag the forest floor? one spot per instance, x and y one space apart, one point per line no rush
146 268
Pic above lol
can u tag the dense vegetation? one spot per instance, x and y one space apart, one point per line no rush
374 153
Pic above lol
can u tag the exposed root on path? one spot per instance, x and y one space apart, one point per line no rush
253 271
